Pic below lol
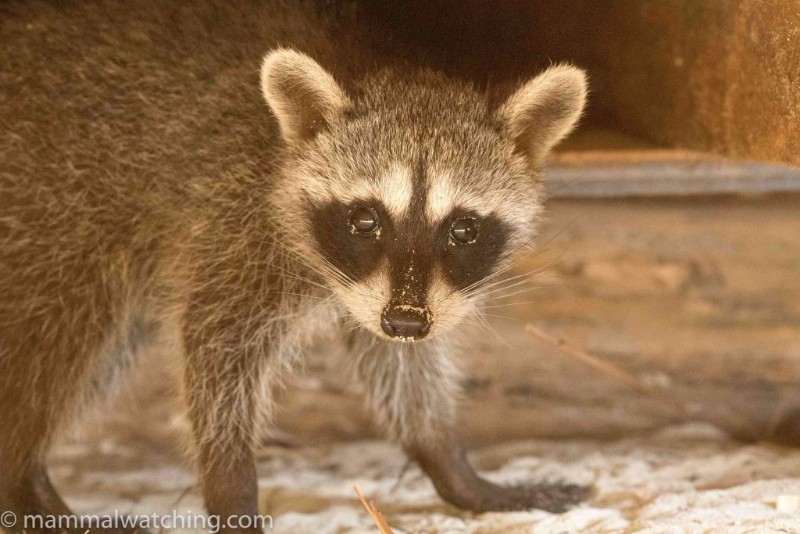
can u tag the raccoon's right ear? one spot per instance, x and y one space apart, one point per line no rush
303 96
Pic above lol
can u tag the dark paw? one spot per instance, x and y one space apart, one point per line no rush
484 496
459 484
556 498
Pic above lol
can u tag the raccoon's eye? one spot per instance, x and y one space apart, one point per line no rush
464 231
363 220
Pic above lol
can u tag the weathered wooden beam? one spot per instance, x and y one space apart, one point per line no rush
655 173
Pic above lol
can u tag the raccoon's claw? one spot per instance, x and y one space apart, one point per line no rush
459 484
550 497
485 496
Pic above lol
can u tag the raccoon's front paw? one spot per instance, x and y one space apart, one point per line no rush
555 497
458 483
484 496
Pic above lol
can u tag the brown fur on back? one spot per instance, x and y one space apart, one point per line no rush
135 155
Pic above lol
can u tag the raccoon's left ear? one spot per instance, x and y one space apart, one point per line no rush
303 96
544 110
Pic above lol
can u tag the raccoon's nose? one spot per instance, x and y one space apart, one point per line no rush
406 322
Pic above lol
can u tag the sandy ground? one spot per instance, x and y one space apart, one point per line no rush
683 478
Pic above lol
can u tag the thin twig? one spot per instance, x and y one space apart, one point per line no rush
610 369
377 517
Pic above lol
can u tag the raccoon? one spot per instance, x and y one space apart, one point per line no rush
159 194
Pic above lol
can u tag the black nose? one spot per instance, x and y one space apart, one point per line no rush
406 322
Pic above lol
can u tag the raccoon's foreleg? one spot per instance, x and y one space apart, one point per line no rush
413 391
220 389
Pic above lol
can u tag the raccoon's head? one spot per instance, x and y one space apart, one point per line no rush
411 193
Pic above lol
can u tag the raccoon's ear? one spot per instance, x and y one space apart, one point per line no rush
303 96
544 110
